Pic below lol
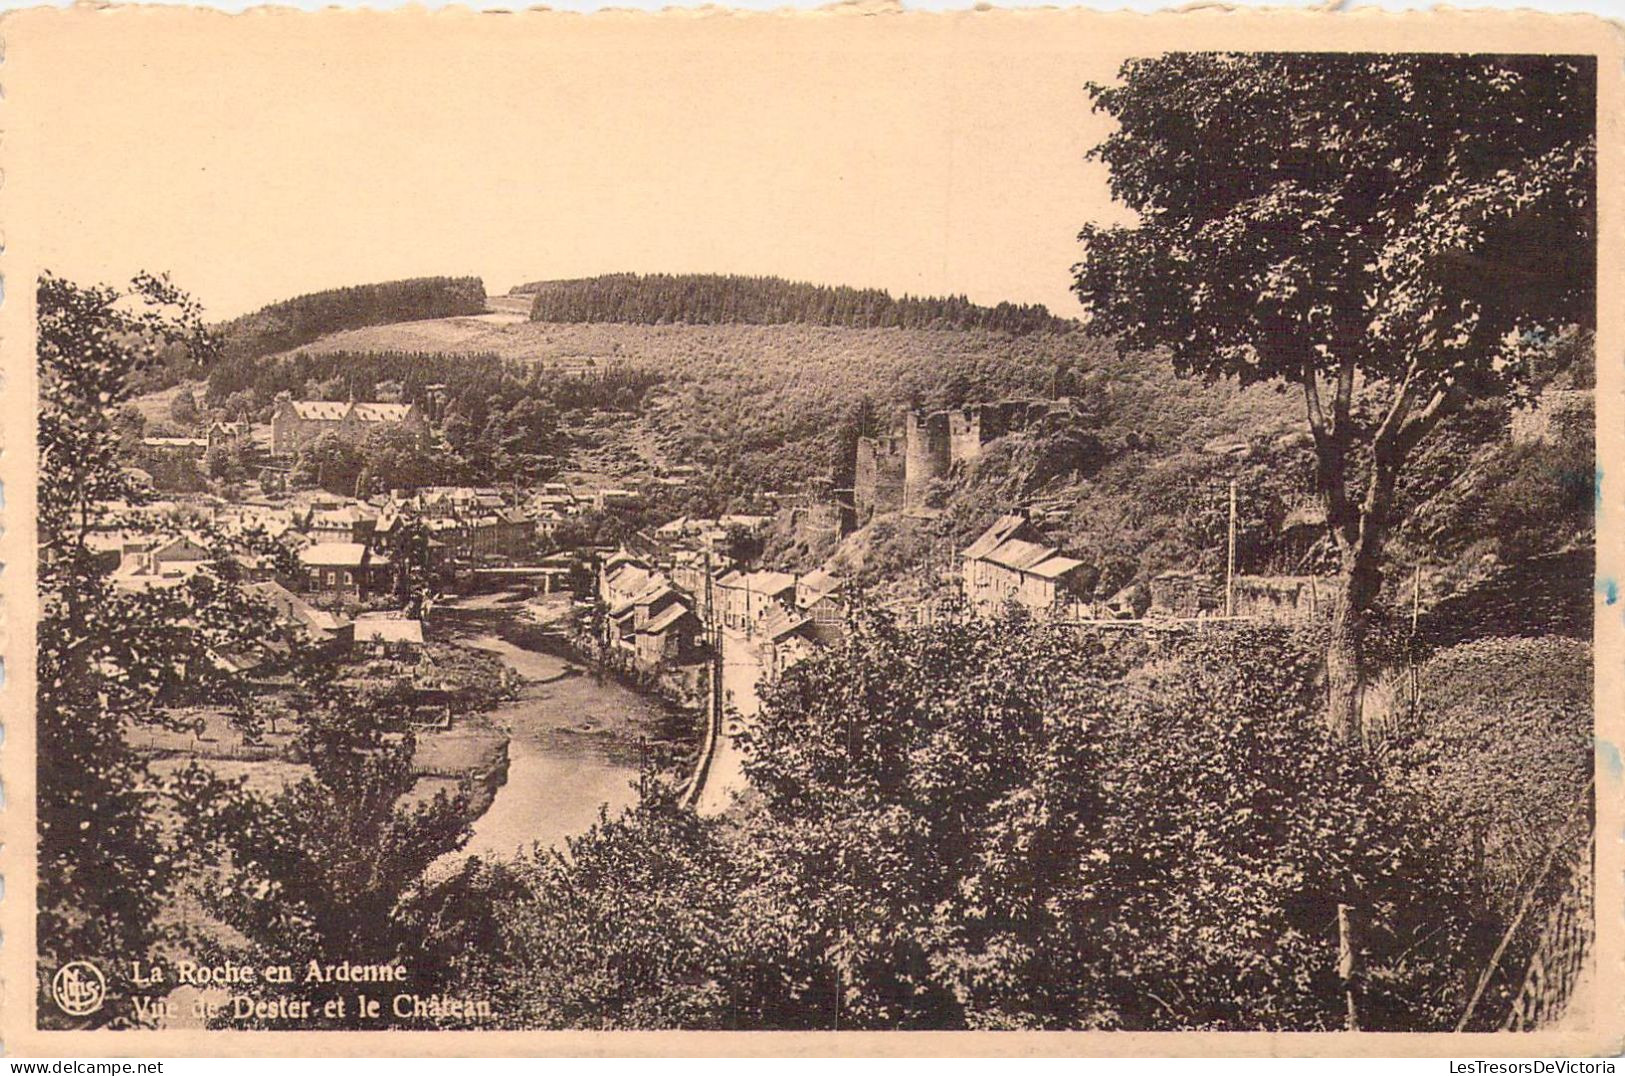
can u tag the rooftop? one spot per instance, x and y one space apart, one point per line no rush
995 535
378 629
1019 555
334 554
319 410
382 412
667 617
759 582
1055 567
294 608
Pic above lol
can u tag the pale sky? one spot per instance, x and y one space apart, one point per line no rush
265 156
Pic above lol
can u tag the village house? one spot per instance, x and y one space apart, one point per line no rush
227 434
671 637
783 638
673 532
688 571
352 523
175 448
819 598
463 523
546 522
172 463
347 570
752 524
110 546
1184 595
165 562
606 499
688 533
744 599
450 535
388 637
502 533
327 634
296 423
621 576
444 502
254 567
654 627
391 534
554 497
244 518
1007 564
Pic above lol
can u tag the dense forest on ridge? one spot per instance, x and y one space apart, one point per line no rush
300 320
714 299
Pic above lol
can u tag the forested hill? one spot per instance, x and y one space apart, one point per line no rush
294 322
708 299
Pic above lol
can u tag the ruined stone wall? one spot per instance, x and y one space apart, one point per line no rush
896 472
812 524
964 434
928 457
878 480
1285 599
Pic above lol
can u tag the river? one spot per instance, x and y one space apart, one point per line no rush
576 740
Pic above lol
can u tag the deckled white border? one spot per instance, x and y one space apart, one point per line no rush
18 555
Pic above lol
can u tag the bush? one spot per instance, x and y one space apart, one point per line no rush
1503 746
993 824
1235 830
632 929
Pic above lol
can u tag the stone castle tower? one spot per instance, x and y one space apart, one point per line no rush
894 473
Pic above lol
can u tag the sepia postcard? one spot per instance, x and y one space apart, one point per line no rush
983 533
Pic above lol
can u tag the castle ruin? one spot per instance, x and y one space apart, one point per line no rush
894 472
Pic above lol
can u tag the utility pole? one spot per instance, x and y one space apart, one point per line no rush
714 637
1416 618
1416 600
713 695
1230 559
1348 965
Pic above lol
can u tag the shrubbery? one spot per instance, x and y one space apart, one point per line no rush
1503 745
1002 824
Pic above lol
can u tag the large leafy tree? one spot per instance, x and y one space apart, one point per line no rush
327 870
110 658
330 462
1386 234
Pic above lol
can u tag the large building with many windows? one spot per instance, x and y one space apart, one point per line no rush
296 423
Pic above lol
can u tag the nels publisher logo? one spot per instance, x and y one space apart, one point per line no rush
78 988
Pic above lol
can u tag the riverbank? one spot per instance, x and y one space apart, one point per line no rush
579 738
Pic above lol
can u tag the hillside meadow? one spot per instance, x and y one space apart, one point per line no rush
1141 485
763 404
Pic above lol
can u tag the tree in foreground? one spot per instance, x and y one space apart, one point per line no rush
1387 234
326 871
985 824
110 659
1004 825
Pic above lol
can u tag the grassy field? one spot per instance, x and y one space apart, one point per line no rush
154 406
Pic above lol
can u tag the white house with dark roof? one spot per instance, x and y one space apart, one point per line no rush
745 599
1009 563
